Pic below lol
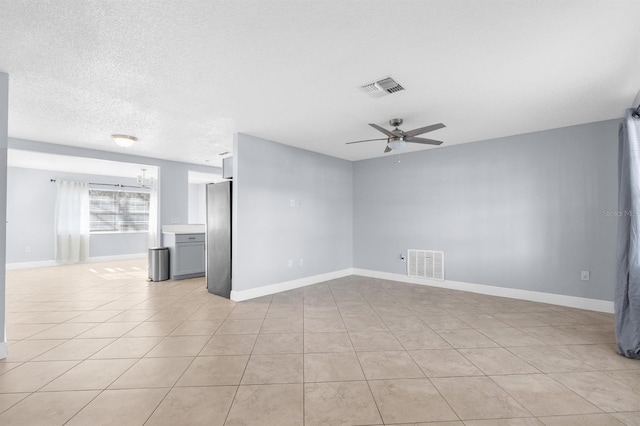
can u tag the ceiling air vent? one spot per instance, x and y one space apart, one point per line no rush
383 87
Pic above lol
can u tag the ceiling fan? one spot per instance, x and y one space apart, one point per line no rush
397 138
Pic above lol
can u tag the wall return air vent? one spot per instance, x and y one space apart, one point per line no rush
382 87
426 264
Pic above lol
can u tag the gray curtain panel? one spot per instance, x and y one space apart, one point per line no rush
627 297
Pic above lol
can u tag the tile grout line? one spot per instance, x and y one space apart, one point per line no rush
593 333
131 366
193 360
183 372
423 372
248 360
356 353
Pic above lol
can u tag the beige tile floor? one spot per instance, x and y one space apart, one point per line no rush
96 344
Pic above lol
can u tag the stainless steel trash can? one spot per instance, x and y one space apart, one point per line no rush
159 264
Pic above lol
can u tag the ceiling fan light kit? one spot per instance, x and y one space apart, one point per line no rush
397 139
397 143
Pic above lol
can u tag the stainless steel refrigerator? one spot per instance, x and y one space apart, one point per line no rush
218 241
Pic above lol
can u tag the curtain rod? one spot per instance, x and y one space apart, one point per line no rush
636 112
117 185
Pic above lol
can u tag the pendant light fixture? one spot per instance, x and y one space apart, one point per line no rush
143 181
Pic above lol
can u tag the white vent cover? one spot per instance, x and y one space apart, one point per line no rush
425 264
382 87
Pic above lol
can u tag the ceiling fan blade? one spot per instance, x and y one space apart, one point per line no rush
387 149
368 140
423 141
421 130
383 130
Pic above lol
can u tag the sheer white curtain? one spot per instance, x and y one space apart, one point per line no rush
72 222
153 218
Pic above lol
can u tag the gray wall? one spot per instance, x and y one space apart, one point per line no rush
173 196
269 232
173 199
118 244
4 118
31 201
197 203
526 212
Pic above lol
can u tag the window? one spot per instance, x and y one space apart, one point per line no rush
118 211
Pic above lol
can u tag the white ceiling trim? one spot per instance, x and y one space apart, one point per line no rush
82 165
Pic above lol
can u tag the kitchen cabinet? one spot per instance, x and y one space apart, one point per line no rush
186 254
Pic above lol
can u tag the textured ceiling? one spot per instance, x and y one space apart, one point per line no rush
183 76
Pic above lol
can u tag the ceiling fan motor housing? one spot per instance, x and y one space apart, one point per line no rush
396 122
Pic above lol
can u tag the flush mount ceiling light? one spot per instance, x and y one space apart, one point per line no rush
124 141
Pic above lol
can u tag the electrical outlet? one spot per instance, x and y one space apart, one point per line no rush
290 263
585 275
27 249
301 262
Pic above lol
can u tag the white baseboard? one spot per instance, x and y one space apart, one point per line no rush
118 257
3 350
45 263
27 265
252 293
534 296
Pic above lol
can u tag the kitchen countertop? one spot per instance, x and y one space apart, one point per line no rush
183 229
